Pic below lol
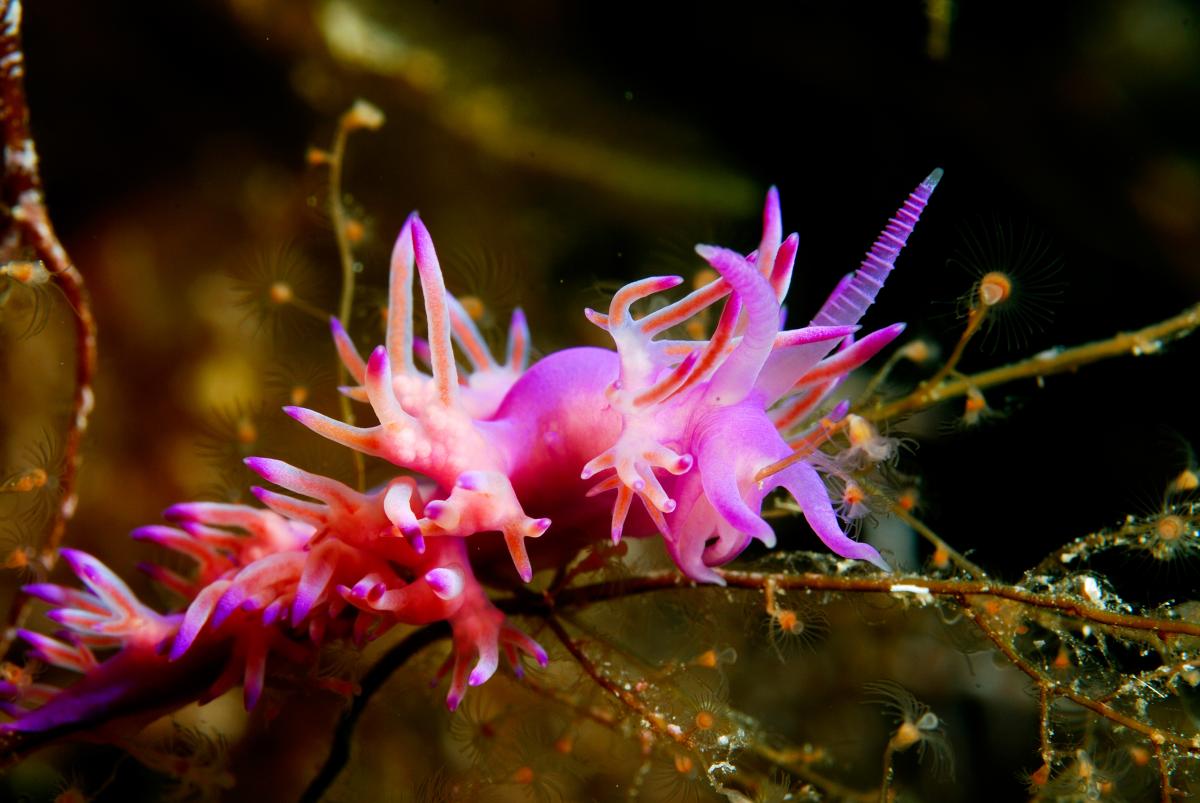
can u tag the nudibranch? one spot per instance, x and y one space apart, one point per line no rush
533 460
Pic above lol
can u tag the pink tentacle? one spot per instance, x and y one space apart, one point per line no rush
715 350
361 439
64 597
847 360
399 336
620 508
735 378
618 310
255 671
468 337
214 537
310 512
212 563
517 358
805 486
382 393
598 318
52 651
771 236
785 262
668 384
169 579
510 637
437 315
106 585
798 408
347 351
606 484
812 334
297 480
678 312
197 617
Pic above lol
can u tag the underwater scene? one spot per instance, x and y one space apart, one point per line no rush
557 401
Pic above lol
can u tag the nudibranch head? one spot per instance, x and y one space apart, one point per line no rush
724 406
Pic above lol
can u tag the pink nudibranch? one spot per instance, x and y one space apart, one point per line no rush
549 456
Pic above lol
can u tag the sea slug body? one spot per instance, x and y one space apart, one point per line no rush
659 436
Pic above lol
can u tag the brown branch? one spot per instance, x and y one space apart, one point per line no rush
929 535
960 591
1164 672
1148 340
630 700
889 771
655 722
787 763
1135 533
784 759
1044 703
28 230
592 713
1164 773
975 320
373 681
1157 736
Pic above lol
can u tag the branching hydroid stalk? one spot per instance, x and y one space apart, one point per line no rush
27 228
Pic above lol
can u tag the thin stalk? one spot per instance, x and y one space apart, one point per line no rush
360 115
28 226
1149 340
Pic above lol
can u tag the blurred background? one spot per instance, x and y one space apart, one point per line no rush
557 150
